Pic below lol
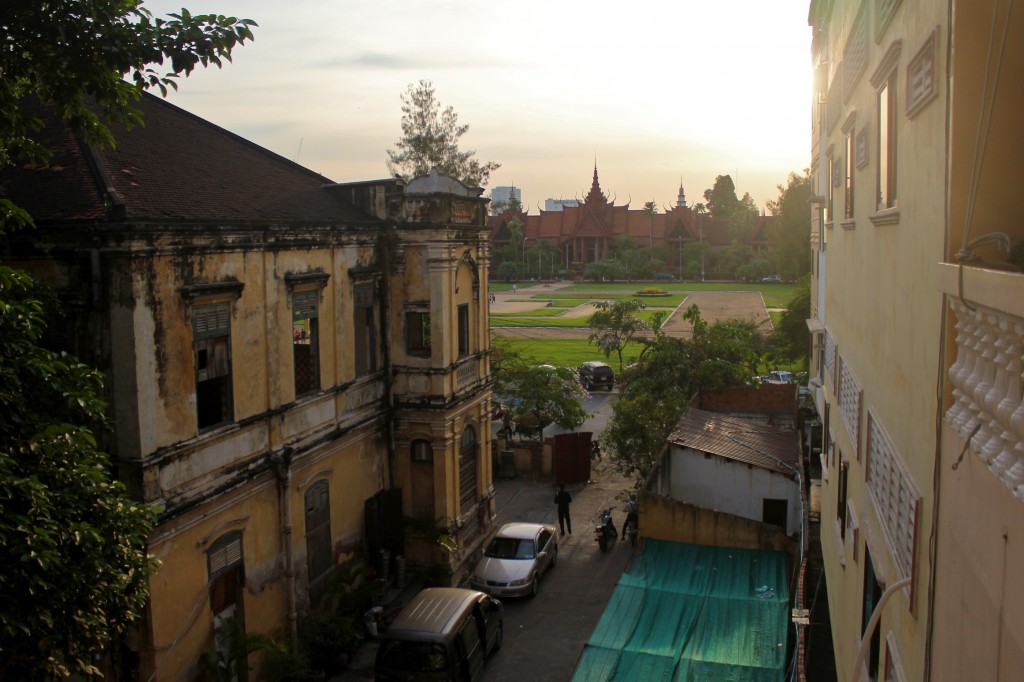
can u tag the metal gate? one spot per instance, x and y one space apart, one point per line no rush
571 457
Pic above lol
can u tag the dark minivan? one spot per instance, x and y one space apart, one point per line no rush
444 633
595 374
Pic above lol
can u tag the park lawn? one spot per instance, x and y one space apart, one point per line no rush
776 316
536 312
542 318
526 320
568 352
775 295
574 299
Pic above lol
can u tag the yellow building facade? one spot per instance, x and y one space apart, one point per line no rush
295 367
917 319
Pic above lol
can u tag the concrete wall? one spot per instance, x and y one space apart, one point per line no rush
721 484
664 518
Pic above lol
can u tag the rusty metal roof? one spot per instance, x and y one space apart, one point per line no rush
775 449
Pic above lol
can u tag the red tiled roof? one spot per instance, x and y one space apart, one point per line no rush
175 167
739 440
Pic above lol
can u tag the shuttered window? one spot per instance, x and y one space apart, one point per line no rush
306 341
463 330
365 328
211 320
211 331
225 554
319 558
468 456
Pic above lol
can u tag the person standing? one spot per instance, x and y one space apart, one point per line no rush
563 500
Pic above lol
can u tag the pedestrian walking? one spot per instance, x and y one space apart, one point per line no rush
563 499
513 288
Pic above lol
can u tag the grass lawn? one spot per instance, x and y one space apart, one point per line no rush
548 317
775 295
568 352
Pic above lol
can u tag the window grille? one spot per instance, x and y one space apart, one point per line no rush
894 495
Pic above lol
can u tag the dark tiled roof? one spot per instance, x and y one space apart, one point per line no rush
739 440
175 167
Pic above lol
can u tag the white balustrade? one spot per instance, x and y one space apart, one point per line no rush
988 390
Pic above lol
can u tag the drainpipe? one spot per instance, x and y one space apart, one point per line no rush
283 471
862 650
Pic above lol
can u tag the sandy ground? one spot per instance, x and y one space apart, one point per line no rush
714 305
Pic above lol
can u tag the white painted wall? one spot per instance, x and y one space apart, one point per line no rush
724 485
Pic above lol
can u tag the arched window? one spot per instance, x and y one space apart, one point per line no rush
318 538
468 456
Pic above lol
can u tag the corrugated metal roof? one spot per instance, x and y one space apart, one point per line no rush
738 439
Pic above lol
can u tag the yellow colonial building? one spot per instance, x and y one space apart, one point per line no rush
295 367
918 320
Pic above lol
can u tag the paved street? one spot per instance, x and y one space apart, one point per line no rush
544 636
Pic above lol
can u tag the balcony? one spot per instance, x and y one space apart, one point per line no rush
987 407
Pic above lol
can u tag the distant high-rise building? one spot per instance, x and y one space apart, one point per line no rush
503 194
559 204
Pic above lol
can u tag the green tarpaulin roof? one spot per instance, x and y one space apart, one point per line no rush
693 613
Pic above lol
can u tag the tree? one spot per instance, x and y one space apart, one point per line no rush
791 235
545 394
509 270
430 137
616 325
71 52
74 570
794 338
721 199
609 269
74 573
650 210
656 390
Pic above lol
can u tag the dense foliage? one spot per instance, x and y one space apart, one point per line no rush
656 390
615 325
538 394
790 237
74 569
74 573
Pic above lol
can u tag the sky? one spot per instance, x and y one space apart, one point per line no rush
656 93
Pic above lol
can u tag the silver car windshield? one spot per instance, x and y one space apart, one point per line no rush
510 548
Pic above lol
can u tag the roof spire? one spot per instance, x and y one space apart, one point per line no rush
681 199
595 188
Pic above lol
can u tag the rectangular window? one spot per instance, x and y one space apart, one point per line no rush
850 166
841 496
319 557
417 333
872 593
894 494
829 210
211 334
887 145
306 341
365 328
463 330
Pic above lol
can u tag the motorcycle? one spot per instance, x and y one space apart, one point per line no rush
604 531
629 531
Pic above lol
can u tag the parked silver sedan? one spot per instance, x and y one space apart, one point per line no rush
515 560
